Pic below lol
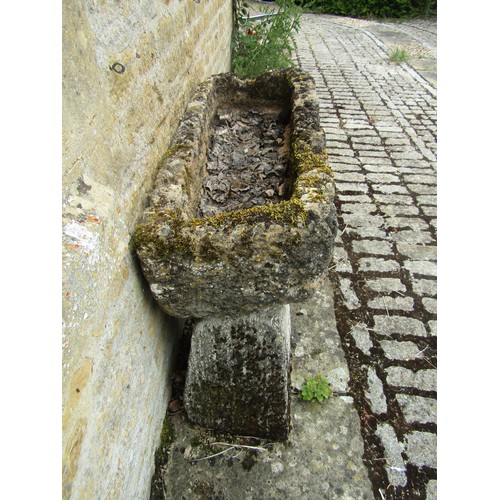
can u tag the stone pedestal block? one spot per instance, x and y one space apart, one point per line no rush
239 374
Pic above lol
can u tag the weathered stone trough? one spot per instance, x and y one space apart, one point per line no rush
239 268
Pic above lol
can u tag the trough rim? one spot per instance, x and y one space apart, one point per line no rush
311 171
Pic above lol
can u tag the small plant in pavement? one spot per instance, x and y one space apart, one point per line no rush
317 388
399 55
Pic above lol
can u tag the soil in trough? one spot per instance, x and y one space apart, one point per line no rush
247 159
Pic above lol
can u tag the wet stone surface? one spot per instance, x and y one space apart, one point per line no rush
247 160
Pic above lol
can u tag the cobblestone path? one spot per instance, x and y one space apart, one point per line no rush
380 121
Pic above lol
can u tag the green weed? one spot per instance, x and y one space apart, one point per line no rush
317 387
399 55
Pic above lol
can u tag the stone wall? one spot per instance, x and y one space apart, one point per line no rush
117 125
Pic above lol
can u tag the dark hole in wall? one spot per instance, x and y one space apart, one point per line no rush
181 365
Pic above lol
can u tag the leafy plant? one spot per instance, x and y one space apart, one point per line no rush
317 387
399 55
372 8
264 44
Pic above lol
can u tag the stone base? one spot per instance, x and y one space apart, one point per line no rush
238 377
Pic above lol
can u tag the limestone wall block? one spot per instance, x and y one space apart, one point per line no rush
117 343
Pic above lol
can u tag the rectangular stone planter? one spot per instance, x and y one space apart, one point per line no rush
240 260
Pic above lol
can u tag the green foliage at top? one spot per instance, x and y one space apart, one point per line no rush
372 8
317 387
265 44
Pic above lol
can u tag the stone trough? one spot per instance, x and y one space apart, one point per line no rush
217 245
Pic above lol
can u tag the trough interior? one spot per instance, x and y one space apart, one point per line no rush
243 155
247 159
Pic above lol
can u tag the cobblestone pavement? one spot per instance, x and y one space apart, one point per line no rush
380 122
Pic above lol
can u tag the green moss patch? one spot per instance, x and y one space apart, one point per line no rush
180 236
167 438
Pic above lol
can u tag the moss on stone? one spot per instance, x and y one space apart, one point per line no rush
188 180
180 233
207 250
179 239
294 239
317 197
304 160
176 148
146 234
290 211
167 437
